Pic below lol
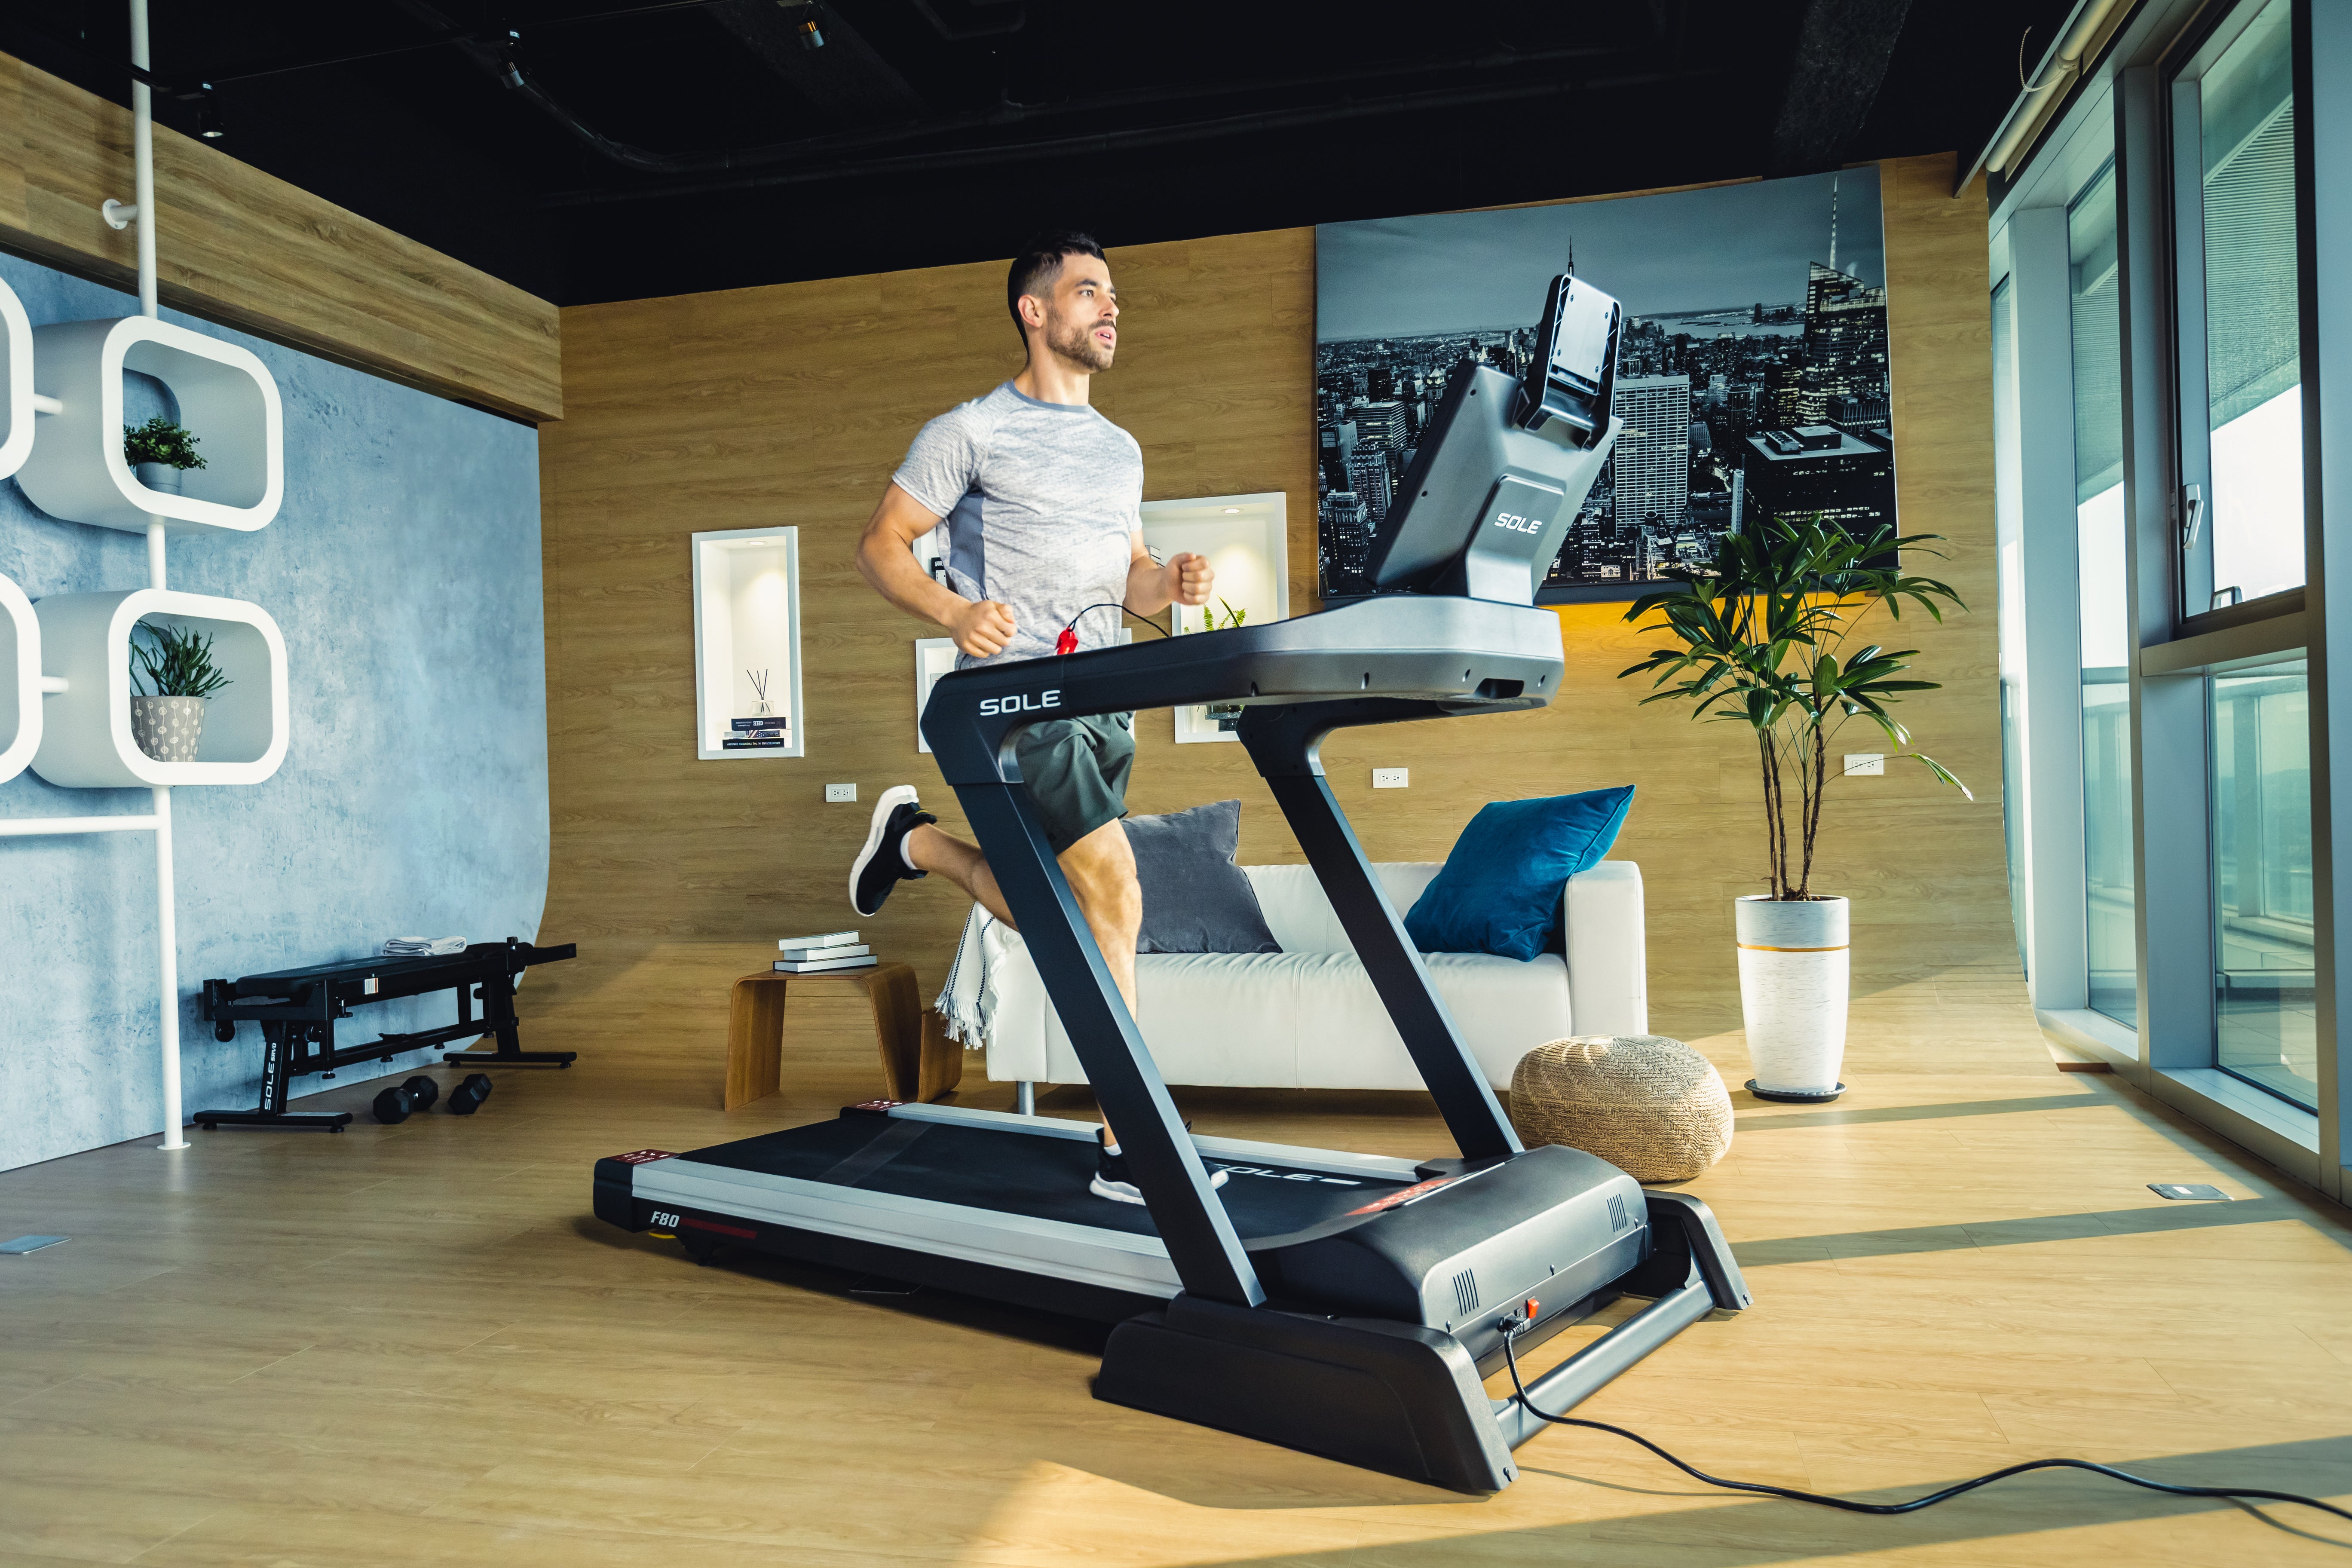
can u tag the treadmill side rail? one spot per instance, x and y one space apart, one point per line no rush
1394 1397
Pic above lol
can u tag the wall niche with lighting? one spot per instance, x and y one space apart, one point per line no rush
1246 540
747 645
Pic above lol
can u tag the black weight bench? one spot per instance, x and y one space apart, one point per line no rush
296 1009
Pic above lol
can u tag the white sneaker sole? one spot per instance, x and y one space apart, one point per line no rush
1125 1192
892 799
1117 1192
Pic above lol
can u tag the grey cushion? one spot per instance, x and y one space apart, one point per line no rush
1195 899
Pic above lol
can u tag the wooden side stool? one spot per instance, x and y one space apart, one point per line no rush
919 1061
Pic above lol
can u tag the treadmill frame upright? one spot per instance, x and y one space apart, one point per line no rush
971 721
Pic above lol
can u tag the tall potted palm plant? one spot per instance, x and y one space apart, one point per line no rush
1766 637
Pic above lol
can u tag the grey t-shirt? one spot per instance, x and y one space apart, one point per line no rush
1042 503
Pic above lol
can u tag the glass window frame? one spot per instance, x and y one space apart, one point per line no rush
2182 71
2176 647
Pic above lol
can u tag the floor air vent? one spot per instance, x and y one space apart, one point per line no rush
1465 1291
1617 1220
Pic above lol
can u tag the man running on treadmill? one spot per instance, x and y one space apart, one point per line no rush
1041 500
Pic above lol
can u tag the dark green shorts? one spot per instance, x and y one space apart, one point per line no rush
1077 773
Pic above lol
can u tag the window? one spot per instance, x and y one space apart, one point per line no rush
2111 945
2240 356
2265 1018
2009 507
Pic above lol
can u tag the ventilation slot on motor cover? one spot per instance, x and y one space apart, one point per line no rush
1617 1220
1465 1291
1493 687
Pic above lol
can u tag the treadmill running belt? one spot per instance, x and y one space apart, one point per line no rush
1039 1176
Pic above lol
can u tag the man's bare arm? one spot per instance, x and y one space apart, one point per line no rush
1186 580
885 558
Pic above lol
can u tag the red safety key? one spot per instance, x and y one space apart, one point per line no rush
1067 642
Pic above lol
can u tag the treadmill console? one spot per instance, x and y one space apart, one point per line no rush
1503 467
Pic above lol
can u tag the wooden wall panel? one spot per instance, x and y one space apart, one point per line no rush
238 246
792 404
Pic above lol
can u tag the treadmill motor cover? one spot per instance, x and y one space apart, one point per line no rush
1553 1222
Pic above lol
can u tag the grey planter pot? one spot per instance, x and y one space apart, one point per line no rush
168 728
161 478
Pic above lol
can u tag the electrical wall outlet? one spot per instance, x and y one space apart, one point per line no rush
1391 778
835 793
1858 763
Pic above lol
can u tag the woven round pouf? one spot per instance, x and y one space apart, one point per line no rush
1651 1107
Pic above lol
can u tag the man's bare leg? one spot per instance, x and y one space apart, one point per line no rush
932 850
1100 869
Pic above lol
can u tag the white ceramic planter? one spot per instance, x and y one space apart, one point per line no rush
1793 983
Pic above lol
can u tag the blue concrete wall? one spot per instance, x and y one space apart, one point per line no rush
403 571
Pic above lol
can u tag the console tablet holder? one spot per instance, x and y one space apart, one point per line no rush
1503 468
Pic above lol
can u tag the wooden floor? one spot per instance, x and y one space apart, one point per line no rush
414 1344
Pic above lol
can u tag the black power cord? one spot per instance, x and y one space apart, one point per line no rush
1514 1327
1070 629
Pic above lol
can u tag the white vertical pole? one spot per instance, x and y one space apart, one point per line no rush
167 936
142 153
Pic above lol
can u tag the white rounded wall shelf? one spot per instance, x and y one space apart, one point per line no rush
16 373
228 400
86 741
20 679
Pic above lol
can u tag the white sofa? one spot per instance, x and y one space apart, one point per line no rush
1308 1017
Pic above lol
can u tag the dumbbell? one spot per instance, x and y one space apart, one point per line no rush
396 1105
468 1097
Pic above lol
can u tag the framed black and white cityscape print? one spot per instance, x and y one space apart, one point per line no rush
1752 371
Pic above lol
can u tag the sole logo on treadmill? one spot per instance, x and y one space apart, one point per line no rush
643 1157
1404 1195
1288 1175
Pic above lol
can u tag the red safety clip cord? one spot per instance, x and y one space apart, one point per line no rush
1068 641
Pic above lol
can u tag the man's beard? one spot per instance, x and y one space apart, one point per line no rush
1077 343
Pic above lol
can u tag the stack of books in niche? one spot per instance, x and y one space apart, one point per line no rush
823 954
752 735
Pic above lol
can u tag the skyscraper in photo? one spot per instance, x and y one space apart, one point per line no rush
1382 424
1346 537
1368 477
1652 459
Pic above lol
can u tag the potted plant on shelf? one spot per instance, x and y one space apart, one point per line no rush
1764 638
168 723
159 452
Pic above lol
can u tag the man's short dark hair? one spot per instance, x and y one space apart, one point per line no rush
1039 263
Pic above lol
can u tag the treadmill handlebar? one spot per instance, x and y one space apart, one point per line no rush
1466 655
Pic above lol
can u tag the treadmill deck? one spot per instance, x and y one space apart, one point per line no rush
946 1180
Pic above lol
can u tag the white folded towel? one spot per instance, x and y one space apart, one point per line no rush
422 946
968 1000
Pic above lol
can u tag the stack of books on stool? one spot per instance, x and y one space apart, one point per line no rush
823 954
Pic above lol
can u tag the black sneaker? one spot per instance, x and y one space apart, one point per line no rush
882 864
1113 1182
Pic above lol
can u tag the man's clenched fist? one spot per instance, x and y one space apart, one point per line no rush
1190 577
983 628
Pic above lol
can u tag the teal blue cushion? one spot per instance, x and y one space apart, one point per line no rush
1501 888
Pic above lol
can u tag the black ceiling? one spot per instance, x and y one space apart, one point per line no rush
592 149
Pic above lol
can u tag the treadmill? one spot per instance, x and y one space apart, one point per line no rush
1339 1304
